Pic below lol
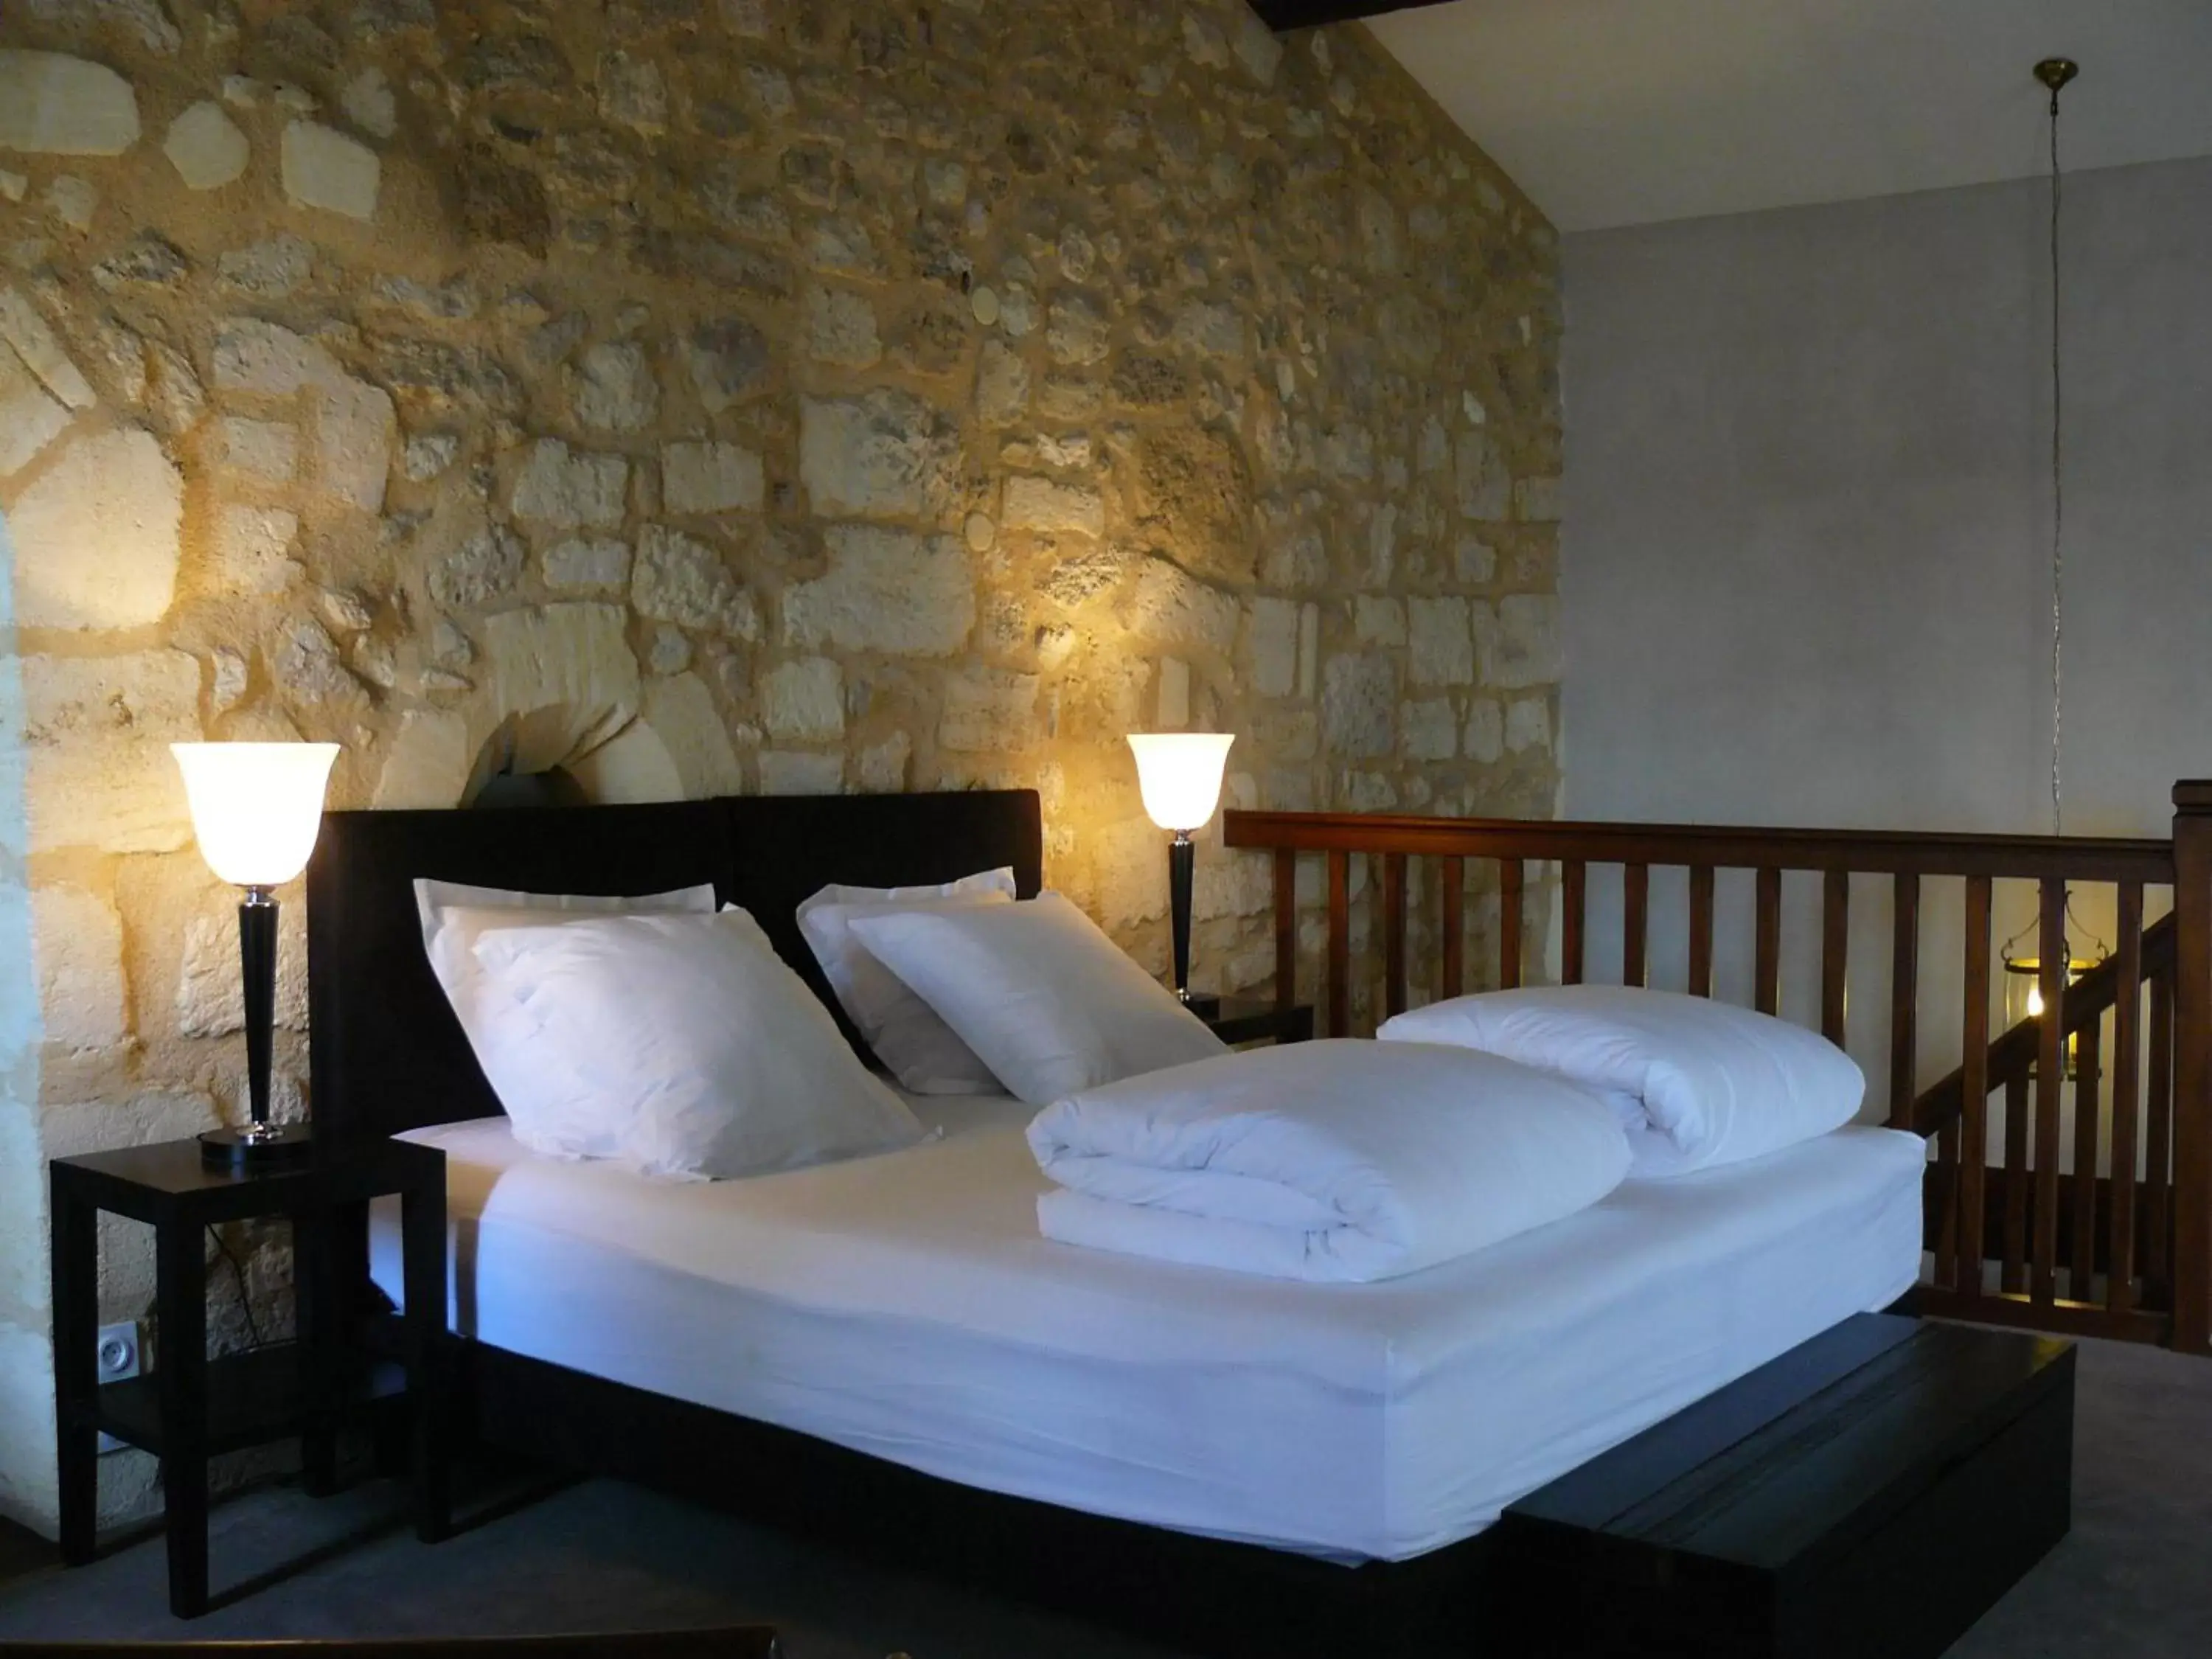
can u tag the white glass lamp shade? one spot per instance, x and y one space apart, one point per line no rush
256 807
1179 774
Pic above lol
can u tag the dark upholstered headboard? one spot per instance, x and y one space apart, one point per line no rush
386 1053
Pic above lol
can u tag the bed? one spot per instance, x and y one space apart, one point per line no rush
887 1351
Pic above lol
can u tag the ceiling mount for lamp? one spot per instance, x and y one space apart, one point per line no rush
2055 72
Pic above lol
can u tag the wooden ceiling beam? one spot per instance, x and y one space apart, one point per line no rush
1283 16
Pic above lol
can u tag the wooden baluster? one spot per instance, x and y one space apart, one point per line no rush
2088 1066
2192 1068
1701 930
1287 928
2050 1090
2158 1146
2127 1089
1511 906
1766 967
1340 944
1574 902
1394 933
1454 876
1952 1252
1635 922
1904 997
2014 1278
1974 1089
1835 951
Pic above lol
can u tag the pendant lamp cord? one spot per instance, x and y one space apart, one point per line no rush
2058 504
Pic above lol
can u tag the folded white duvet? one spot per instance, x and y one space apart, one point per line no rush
1343 1161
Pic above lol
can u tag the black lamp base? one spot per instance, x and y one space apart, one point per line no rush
257 1146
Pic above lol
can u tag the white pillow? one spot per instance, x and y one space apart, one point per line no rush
1716 1083
454 916
1049 1002
677 1045
919 1049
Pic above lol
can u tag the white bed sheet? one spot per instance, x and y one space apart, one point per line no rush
906 1306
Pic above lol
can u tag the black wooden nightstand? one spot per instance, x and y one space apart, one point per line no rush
1237 1020
191 1407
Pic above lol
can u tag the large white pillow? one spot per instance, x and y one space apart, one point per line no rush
455 916
1332 1161
677 1045
1048 1000
1717 1085
919 1049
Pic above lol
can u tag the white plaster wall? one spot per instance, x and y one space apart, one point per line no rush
1806 558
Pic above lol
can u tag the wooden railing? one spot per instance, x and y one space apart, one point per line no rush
2136 1253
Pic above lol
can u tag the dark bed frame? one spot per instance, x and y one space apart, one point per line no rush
387 1055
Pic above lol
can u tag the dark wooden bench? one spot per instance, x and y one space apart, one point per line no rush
1872 1491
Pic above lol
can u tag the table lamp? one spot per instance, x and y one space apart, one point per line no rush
255 809
1179 774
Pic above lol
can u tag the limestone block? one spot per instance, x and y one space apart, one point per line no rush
76 943
232 677
26 332
1485 489
428 454
74 201
882 767
206 147
1428 730
711 477
1379 621
308 665
989 710
681 579
785 773
886 455
729 360
269 270
54 104
1528 725
429 763
1043 504
1215 329
264 452
587 565
1309 649
98 731
884 589
1474 562
1130 866
30 417
355 431
669 652
145 21
484 567
612 389
253 549
13 185
1173 708
369 105
1526 650
842 329
570 489
632 92
268 360
560 679
1172 606
210 995
323 168
1536 501
803 701
1258 48
1485 731
1359 706
1271 645
1002 384
1076 332
96 535
1442 641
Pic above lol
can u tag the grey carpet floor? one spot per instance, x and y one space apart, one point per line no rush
2134 1581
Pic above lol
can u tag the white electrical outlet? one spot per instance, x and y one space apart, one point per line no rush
119 1361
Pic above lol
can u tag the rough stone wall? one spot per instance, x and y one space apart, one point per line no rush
777 395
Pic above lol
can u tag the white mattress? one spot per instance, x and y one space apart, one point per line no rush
907 1306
